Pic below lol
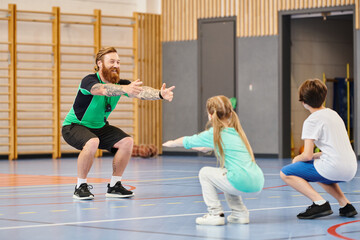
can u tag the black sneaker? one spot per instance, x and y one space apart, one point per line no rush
83 192
118 191
315 211
347 211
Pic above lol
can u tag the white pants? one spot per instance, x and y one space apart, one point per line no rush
212 178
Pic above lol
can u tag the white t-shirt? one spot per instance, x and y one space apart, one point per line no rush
338 161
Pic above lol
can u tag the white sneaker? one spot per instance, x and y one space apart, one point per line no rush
209 219
241 219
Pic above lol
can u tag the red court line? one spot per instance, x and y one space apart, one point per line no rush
332 230
16 180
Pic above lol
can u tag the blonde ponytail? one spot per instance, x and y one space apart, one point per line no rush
235 123
220 108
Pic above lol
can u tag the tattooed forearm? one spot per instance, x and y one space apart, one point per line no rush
149 93
113 90
96 87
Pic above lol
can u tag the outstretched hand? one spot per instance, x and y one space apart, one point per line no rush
167 93
134 88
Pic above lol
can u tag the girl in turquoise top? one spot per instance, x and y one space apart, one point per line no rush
238 172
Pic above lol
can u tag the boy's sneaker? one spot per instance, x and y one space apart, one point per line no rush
118 191
315 211
347 211
83 192
209 219
244 219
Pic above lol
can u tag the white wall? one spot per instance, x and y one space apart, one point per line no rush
108 7
149 6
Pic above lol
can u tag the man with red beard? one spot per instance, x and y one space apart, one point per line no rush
86 127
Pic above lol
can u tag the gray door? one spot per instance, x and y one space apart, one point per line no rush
217 51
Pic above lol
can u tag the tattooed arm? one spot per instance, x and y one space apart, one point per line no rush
107 90
110 90
149 93
134 89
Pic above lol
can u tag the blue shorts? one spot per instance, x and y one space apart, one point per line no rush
306 171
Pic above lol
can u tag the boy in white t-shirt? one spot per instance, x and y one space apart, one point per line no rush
335 163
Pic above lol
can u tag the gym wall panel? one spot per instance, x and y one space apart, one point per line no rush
258 91
180 117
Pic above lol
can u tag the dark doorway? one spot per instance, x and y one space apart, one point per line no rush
217 54
312 45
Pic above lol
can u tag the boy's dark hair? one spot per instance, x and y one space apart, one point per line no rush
313 92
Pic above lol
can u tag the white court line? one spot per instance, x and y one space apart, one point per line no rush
140 218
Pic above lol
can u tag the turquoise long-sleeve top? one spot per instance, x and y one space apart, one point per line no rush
243 174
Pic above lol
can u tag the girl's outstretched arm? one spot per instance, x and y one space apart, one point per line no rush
174 143
179 143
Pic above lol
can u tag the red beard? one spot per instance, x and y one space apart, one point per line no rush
109 75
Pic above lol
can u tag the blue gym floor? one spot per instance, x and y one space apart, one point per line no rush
36 203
